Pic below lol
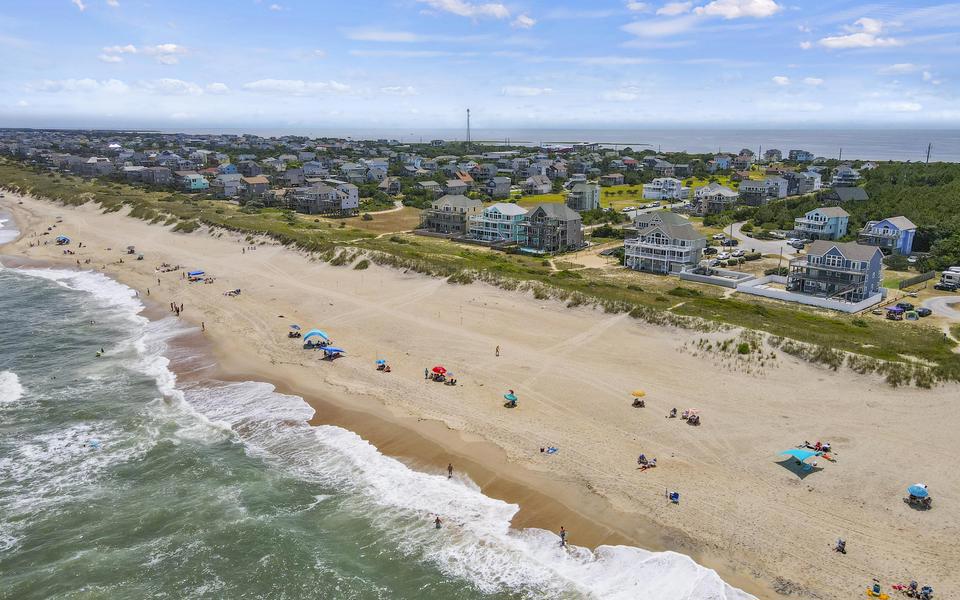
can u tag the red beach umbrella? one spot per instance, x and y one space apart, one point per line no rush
439 370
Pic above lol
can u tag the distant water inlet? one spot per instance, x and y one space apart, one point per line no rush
141 487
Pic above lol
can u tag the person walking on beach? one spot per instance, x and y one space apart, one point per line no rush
203 326
426 373
563 537
449 470
437 522
181 307
498 350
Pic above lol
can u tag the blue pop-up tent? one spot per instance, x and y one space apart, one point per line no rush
330 351
316 333
194 273
800 454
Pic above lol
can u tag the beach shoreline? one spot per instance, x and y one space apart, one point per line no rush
590 507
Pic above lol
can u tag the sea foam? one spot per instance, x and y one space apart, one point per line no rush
10 388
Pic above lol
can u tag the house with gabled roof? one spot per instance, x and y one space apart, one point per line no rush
894 234
664 242
824 223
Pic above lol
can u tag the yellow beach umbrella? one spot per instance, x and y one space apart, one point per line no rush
639 393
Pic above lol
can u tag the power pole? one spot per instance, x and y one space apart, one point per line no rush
841 154
468 129
929 148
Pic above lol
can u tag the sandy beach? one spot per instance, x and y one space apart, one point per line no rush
744 510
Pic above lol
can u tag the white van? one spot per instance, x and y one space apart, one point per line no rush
951 276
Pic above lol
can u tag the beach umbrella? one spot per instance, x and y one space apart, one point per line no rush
316 333
510 397
295 327
639 393
439 370
919 490
381 361
332 350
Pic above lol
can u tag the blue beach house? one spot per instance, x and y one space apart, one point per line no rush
825 223
894 234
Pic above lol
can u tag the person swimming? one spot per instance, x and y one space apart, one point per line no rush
437 522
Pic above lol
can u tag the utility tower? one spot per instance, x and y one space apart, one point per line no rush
468 128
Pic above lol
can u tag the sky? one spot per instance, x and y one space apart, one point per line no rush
527 63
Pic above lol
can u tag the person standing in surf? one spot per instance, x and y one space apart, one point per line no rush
563 537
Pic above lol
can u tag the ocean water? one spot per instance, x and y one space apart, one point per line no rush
8 230
116 481
861 143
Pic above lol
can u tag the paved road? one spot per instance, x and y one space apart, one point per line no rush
941 306
762 246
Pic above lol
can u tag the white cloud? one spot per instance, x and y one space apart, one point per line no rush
469 9
864 33
166 54
805 45
276 7
399 90
320 53
660 28
930 78
734 9
170 87
113 3
128 49
218 88
781 80
79 4
673 9
110 58
56 86
295 87
525 91
900 69
23 103
638 6
803 29
814 81
524 22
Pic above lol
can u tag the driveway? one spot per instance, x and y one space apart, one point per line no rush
761 246
941 306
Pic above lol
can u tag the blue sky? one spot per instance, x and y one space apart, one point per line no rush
525 63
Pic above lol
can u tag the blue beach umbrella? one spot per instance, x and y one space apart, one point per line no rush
315 333
194 273
381 361
510 397
332 350
918 490
295 327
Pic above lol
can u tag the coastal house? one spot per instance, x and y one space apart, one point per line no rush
292 177
431 186
321 199
96 166
498 223
772 155
611 179
825 223
839 271
584 196
498 187
390 185
845 176
227 169
664 243
802 183
742 162
315 168
800 156
248 168
658 166
714 198
456 187
349 195
665 188
844 194
228 184
720 162
255 187
159 176
450 214
537 184
890 235
551 227
759 192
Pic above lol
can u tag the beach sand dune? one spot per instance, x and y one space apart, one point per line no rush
744 511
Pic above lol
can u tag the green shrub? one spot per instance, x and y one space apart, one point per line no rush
363 264
743 348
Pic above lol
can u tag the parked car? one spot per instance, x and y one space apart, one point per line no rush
628 209
718 236
798 244
737 253
723 256
924 312
945 287
729 242
905 305
709 250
